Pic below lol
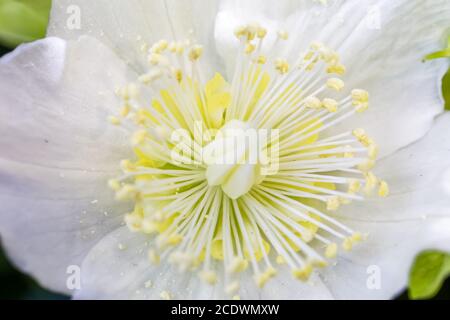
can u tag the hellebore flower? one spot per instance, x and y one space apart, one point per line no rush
88 175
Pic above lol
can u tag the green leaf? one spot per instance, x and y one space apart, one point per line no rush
23 21
438 55
446 80
446 89
429 271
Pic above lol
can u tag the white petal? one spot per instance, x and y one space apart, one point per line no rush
126 25
54 105
285 287
414 217
386 61
118 268
58 152
405 93
235 13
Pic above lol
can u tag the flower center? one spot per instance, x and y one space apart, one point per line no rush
244 175
233 159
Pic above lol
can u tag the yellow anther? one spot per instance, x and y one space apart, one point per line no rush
138 137
154 257
195 53
329 56
366 165
125 111
151 76
232 287
283 35
249 48
262 278
280 260
127 166
357 237
308 56
114 184
140 117
176 47
163 44
155 58
180 47
178 75
165 295
261 33
347 244
271 272
372 151
304 273
337 68
354 186
371 182
172 46
238 265
209 277
371 178
335 84
133 222
281 65
313 103
361 107
331 251
240 31
114 120
128 92
360 96
333 203
317 45
330 104
383 190
310 66
160 46
362 137
319 263
261 59
350 241
252 31
158 59
127 192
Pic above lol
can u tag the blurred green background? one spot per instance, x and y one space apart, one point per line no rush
26 20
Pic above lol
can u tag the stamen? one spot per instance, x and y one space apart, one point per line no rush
199 214
335 84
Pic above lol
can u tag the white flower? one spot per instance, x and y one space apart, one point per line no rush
304 68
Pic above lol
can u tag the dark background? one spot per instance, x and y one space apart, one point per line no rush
16 285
